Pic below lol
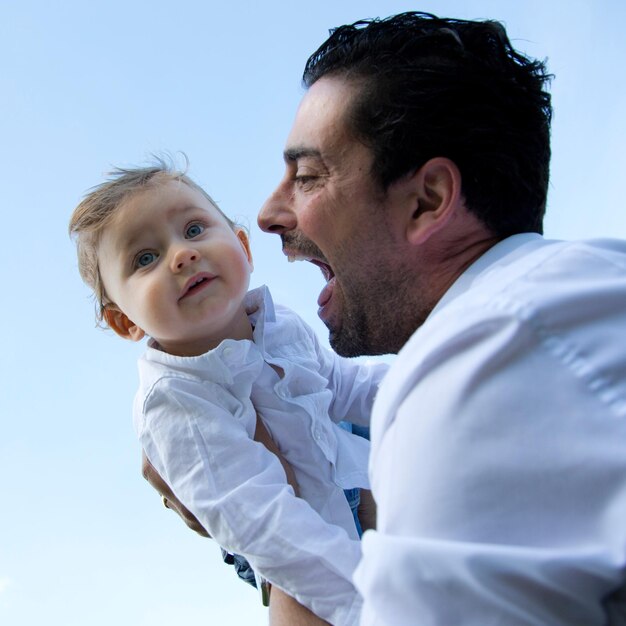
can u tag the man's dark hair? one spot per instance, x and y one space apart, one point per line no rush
436 87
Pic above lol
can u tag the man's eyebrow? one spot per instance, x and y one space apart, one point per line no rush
293 154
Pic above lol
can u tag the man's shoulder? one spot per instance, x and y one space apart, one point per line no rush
556 300
554 276
557 260
539 274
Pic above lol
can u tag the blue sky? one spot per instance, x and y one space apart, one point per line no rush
88 85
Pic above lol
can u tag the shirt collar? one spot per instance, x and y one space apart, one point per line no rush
504 252
260 309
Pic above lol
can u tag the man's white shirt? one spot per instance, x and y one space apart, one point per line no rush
498 456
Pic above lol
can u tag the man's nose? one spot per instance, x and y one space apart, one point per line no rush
183 257
277 214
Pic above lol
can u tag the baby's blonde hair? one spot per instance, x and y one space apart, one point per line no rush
100 205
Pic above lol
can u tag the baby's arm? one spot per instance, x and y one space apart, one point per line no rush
173 503
238 491
169 498
284 610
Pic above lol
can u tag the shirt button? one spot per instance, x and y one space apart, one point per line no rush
228 351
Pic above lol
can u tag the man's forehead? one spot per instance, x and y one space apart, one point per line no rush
321 114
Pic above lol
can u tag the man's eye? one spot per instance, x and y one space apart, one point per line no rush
145 258
193 230
304 180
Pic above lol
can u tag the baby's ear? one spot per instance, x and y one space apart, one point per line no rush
245 244
121 324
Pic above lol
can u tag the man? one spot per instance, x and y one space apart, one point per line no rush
416 178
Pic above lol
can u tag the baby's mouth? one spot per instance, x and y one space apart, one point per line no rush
195 284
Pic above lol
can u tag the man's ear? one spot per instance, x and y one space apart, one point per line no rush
245 244
437 186
121 324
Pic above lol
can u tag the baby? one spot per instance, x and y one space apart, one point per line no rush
221 365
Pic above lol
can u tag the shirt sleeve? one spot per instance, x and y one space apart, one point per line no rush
197 435
353 383
500 476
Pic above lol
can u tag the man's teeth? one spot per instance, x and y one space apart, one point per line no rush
295 257
327 272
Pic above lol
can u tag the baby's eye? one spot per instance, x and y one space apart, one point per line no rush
193 230
145 258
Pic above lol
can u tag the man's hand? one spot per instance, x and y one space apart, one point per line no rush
169 499
367 510
285 611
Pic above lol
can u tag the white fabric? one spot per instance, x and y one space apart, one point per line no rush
499 448
195 419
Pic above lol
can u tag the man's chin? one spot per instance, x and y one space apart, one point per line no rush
344 345
339 347
348 336
354 342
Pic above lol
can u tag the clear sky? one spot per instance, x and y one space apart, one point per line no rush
88 85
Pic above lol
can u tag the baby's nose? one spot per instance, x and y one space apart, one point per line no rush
183 258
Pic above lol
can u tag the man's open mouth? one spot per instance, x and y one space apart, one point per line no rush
326 294
327 270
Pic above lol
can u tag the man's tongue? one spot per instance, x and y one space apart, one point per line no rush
326 293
